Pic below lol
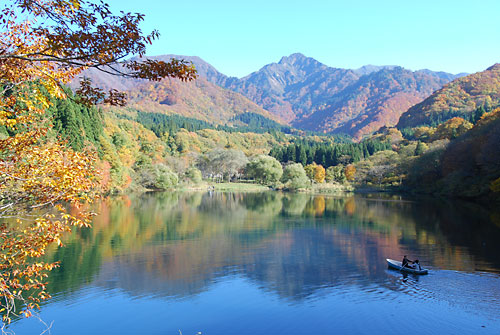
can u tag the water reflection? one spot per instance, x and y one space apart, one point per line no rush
177 245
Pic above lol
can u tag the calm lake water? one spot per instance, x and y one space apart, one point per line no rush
273 263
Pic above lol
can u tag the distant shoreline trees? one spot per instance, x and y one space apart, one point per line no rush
327 154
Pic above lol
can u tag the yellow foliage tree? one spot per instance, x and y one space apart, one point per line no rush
319 174
495 185
349 172
424 133
44 44
451 129
310 169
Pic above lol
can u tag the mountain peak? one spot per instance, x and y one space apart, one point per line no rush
293 58
367 69
495 67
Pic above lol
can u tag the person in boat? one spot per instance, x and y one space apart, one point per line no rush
416 265
406 262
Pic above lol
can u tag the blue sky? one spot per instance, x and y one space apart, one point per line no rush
239 37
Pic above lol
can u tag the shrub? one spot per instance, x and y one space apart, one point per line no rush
194 175
294 177
264 169
159 177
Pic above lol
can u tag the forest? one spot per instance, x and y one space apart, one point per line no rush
170 124
327 154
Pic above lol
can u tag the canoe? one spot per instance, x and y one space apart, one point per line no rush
397 265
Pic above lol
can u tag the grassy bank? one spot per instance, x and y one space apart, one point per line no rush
244 187
325 188
332 188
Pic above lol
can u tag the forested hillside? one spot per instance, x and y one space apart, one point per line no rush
77 124
375 100
200 100
461 98
470 165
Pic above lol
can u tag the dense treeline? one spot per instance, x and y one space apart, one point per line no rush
327 154
70 120
468 166
162 124
257 123
456 158
76 122
434 120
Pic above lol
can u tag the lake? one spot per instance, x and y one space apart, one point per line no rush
276 263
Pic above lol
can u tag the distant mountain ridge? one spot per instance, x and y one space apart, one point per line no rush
201 99
310 95
313 96
374 100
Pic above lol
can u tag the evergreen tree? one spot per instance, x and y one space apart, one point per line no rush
478 114
420 149
291 153
302 157
310 155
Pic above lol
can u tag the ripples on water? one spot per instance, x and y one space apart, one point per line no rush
271 263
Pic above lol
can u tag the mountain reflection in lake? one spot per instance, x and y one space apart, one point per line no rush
274 263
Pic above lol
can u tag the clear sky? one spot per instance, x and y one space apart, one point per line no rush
240 36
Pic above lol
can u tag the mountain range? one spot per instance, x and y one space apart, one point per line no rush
298 90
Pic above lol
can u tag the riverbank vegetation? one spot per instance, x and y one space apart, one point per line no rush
427 160
455 158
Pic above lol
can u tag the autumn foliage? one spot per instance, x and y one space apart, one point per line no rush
350 172
462 97
43 45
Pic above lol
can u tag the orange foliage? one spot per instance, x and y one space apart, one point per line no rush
488 117
350 206
38 176
350 172
319 174
451 129
319 205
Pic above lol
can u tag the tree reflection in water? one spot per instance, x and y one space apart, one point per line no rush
177 244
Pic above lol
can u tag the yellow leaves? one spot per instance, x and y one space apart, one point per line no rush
319 174
451 129
35 175
39 54
315 172
27 313
350 172
495 185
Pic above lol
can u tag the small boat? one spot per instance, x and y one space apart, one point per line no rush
397 265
